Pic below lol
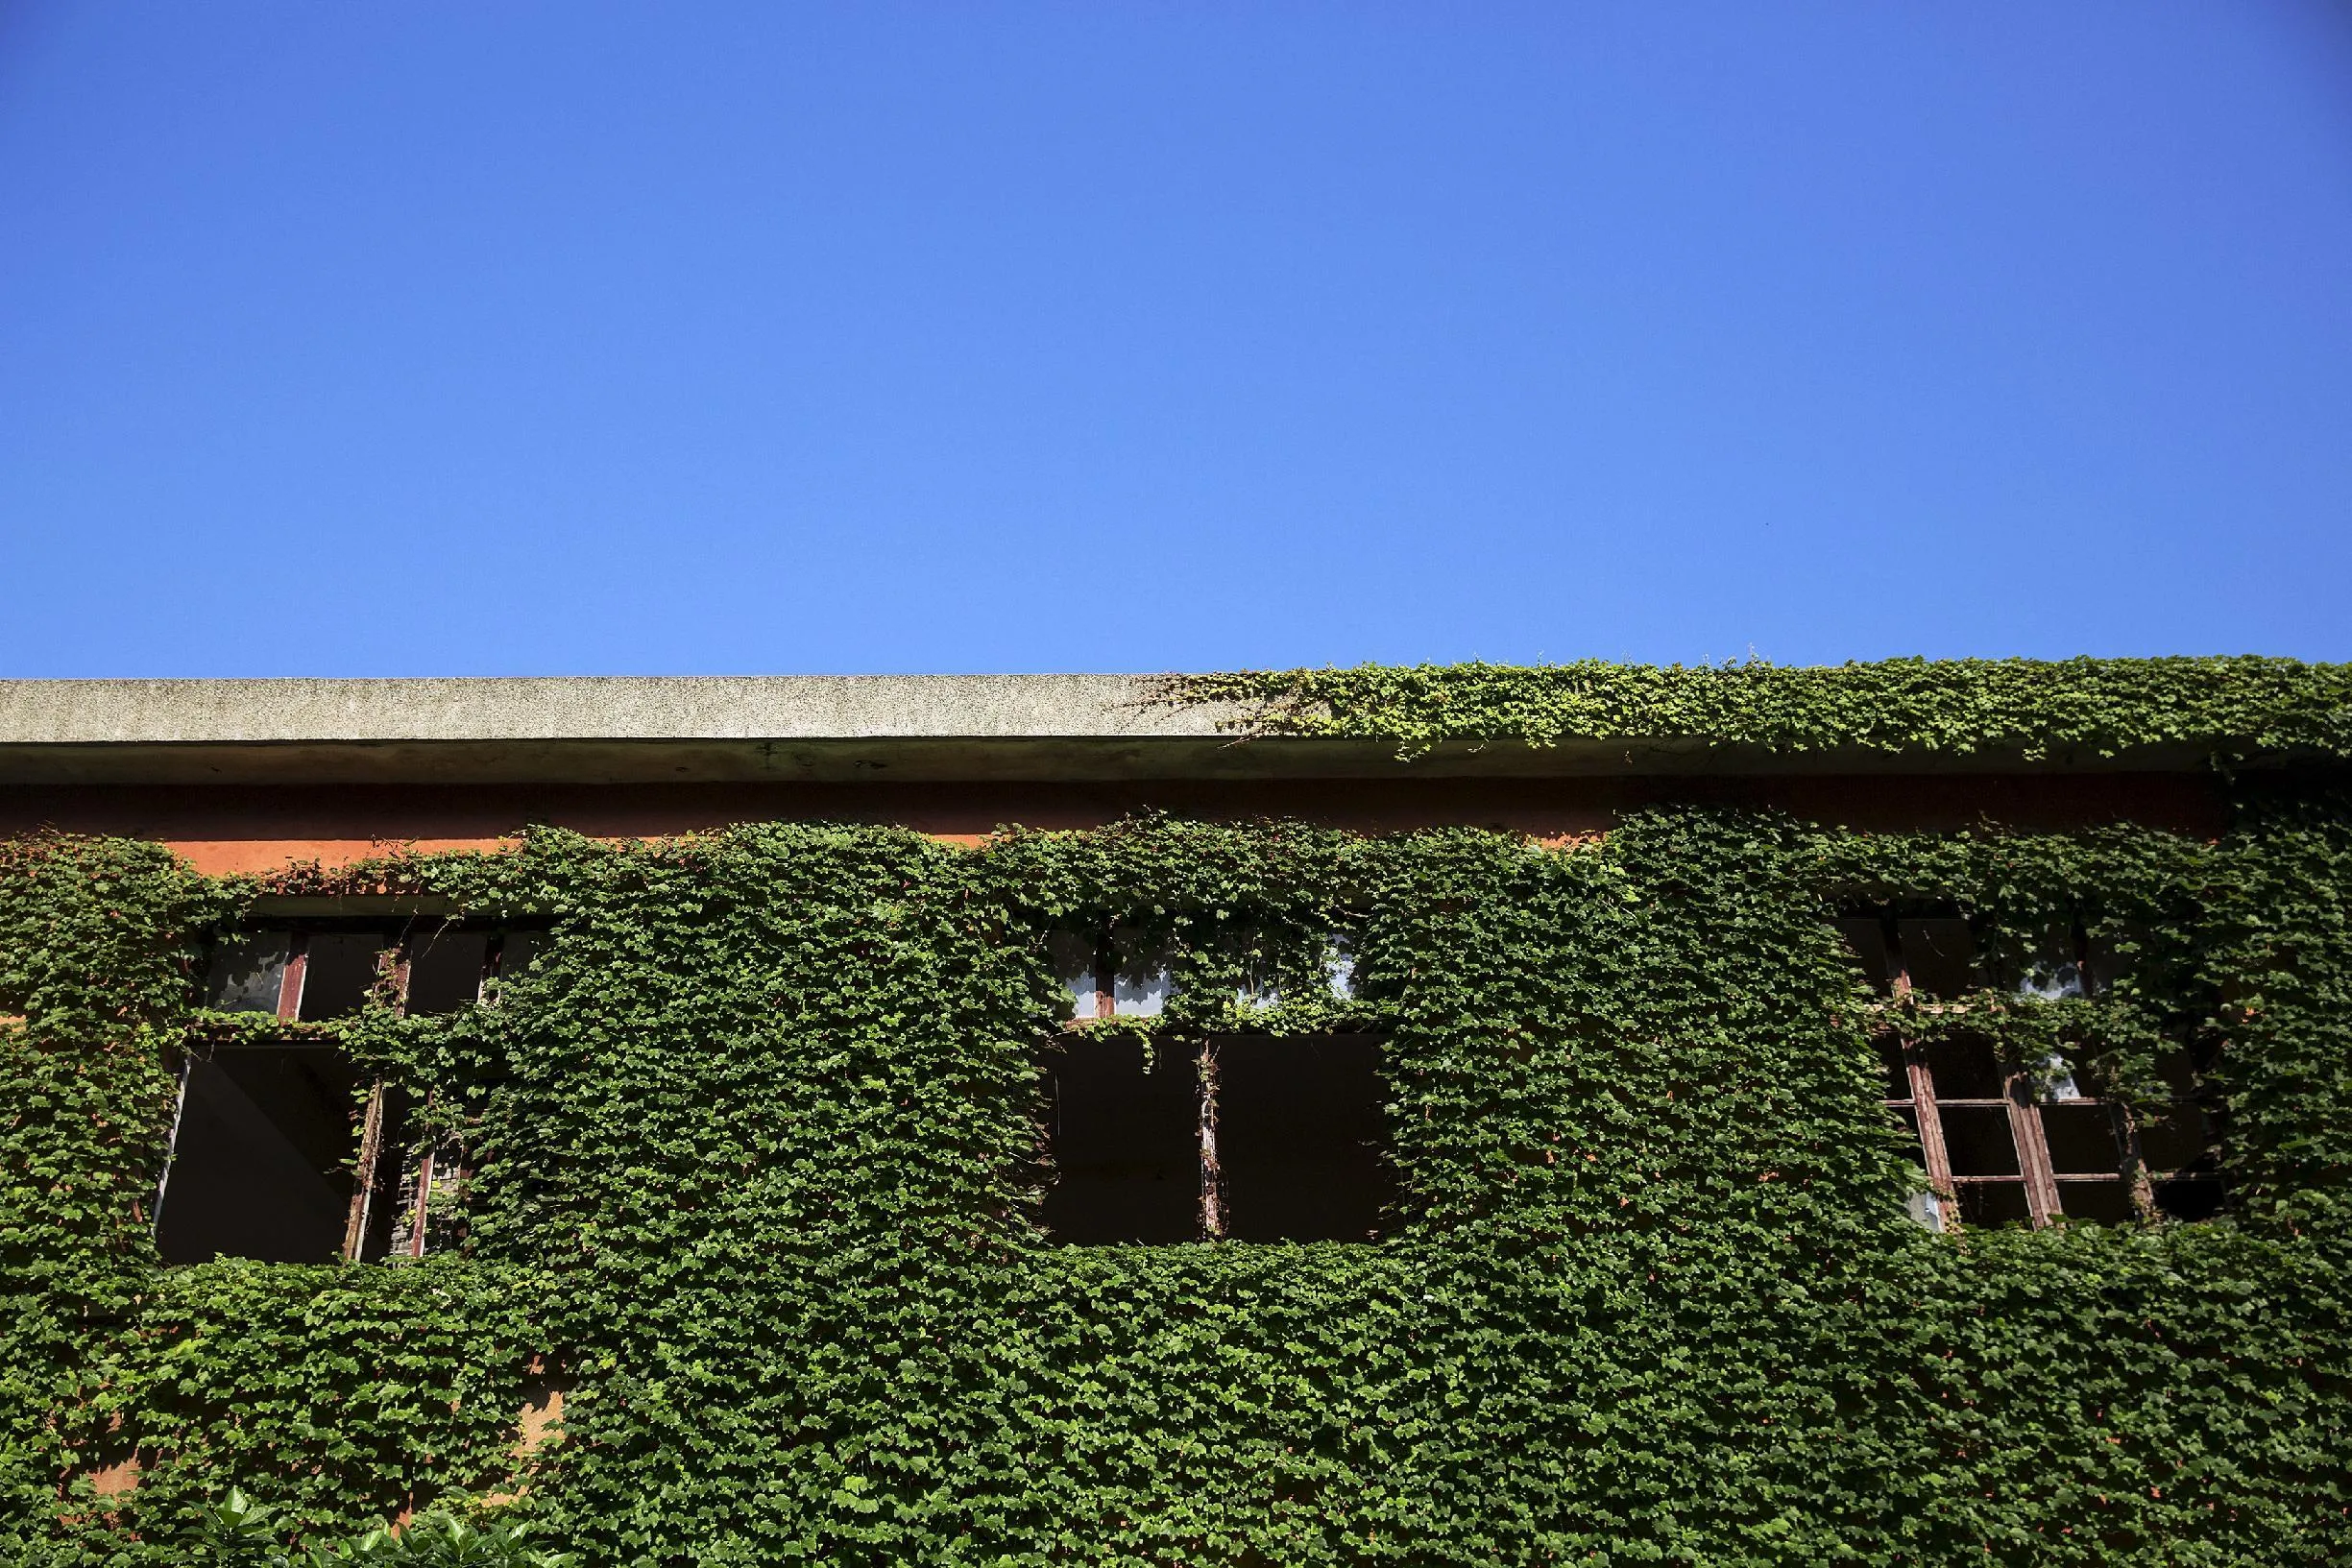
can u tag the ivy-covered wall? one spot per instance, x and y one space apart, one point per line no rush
758 1164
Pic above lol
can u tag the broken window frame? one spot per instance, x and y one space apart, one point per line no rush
400 946
2021 1098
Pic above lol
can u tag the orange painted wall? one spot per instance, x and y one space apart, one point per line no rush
226 828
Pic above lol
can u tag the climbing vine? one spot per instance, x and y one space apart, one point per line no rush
759 1155
2099 707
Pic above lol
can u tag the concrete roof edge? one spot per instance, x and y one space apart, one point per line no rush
593 708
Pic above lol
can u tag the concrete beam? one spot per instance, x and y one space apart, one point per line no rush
591 708
628 728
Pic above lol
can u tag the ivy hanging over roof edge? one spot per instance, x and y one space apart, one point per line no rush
2237 708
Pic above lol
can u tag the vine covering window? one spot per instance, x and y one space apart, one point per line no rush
2005 1142
281 1151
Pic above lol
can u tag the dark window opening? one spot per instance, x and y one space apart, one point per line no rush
2098 1202
2082 1138
2189 1197
2175 1141
1964 1068
261 1164
1299 1137
1939 954
1993 1203
515 950
1126 1143
1978 1142
1239 1136
1866 939
1906 947
446 970
338 969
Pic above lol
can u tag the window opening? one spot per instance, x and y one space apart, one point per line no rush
1939 954
249 972
338 969
1124 1131
515 950
261 1165
1340 968
1297 1136
1997 1145
2182 1167
1251 1137
446 970
276 1153
1127 978
2057 972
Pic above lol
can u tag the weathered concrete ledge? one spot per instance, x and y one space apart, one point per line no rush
687 729
591 708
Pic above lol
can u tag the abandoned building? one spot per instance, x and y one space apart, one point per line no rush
1096 1125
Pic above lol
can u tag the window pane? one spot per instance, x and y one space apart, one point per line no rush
1964 1069
247 971
2172 1141
1938 954
1073 957
1992 1203
261 1165
2196 1198
445 970
1980 1142
1125 1143
1339 967
1894 1075
518 951
2102 1202
2053 975
2083 1139
1299 1134
1866 938
2178 1070
338 971
1141 987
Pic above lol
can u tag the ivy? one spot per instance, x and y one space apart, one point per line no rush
759 1154
2236 707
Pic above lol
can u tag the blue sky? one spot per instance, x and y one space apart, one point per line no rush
508 338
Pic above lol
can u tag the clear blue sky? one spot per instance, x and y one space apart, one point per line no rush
505 338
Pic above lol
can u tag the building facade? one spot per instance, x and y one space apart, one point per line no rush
1896 1115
